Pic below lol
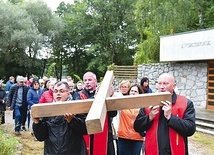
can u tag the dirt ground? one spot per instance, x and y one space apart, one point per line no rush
199 143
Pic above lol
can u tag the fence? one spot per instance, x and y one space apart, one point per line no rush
125 72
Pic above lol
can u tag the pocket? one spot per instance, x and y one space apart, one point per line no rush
19 104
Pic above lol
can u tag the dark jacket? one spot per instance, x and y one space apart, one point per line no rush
74 95
13 95
61 137
185 127
2 97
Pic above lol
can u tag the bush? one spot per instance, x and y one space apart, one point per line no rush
8 144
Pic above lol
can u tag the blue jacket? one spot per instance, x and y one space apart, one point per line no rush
8 85
33 96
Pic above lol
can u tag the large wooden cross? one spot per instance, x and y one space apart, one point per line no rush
98 107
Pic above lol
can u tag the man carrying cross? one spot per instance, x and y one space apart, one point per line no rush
167 127
100 143
61 134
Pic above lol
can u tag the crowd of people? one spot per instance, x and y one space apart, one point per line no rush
155 130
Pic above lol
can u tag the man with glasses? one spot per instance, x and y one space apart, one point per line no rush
17 100
61 134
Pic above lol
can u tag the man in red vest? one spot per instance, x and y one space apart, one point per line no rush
100 143
167 127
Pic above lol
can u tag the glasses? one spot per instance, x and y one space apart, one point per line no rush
124 87
60 91
163 83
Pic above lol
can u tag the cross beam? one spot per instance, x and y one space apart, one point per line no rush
112 103
97 108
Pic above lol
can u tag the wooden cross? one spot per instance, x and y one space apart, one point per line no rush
98 107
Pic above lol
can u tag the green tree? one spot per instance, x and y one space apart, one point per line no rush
98 33
25 32
165 17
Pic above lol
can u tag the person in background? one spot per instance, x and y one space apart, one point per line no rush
129 141
69 79
9 83
2 104
29 81
61 134
41 83
47 96
46 87
17 100
124 87
45 79
99 143
145 85
73 93
79 86
33 95
167 127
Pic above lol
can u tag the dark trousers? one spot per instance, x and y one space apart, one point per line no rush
20 117
129 147
2 117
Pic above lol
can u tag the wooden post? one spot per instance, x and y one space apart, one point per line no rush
97 113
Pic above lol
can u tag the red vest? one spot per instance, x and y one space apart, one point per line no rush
177 143
100 140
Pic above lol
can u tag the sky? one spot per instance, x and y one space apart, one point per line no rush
53 4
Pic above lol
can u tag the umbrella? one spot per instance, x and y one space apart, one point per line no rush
28 119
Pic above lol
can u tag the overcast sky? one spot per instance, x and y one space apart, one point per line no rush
53 4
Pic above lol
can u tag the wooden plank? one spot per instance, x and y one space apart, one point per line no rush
125 70
137 101
126 66
113 103
60 108
97 113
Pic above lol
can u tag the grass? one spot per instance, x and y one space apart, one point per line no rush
8 144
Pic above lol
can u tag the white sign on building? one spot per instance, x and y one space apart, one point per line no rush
189 46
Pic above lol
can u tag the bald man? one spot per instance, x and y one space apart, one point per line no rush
167 127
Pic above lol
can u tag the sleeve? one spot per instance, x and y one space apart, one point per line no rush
29 98
142 121
10 96
40 130
186 125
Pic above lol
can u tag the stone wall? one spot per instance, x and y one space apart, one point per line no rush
191 78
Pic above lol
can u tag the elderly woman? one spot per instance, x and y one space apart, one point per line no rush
2 103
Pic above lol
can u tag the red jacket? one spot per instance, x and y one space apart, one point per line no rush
47 97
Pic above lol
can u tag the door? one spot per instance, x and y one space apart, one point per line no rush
210 85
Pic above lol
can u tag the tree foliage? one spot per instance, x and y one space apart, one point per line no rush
24 32
165 17
91 34
98 33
